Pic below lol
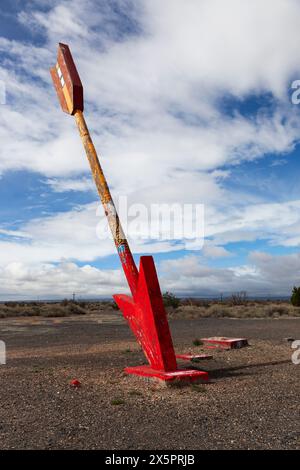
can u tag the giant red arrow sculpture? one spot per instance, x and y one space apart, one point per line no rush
144 310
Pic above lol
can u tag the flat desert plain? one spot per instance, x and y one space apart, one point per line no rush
251 401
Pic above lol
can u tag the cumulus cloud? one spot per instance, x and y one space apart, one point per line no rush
83 234
145 88
19 280
61 185
155 77
265 275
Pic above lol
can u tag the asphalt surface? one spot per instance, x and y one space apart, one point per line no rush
251 402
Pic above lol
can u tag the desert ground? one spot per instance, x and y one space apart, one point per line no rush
250 402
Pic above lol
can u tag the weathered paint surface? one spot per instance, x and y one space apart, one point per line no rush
194 357
225 343
67 81
177 376
124 252
144 311
147 318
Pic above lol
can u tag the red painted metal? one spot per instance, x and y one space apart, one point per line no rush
224 343
128 265
66 81
194 357
147 318
179 375
144 311
75 383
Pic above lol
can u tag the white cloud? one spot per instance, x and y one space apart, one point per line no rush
60 185
70 235
31 251
212 251
154 104
47 281
277 222
264 275
182 61
233 45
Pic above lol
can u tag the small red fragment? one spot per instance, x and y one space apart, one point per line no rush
75 383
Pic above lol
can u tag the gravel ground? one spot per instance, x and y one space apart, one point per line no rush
252 401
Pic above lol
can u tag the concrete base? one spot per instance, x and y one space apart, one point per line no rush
224 343
177 376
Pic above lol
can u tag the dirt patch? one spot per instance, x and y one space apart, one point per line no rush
251 402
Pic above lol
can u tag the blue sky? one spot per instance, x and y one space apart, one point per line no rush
187 104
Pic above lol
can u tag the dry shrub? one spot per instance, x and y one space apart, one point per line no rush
218 311
238 298
18 310
54 310
58 310
195 302
275 310
189 309
185 311
44 310
75 309
261 309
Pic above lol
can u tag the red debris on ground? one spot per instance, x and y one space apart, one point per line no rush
75 383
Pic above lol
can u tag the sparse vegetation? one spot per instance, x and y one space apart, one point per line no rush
135 393
117 401
76 309
295 298
252 309
63 308
181 308
170 300
115 305
197 342
198 388
239 298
